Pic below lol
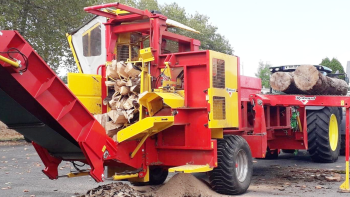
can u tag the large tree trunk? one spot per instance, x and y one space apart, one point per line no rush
284 82
309 80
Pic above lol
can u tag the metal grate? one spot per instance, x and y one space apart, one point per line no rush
219 106
122 52
218 73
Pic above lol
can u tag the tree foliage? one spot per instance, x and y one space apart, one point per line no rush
333 64
264 74
44 24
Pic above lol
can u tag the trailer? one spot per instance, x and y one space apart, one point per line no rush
196 113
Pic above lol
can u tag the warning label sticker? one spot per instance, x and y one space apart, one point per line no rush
230 91
305 99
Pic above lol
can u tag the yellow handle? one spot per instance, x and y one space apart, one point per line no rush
13 63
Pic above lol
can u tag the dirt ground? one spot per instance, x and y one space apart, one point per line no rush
8 136
288 176
276 180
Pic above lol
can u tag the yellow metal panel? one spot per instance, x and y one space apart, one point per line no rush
217 133
87 88
153 101
147 126
229 92
146 54
191 168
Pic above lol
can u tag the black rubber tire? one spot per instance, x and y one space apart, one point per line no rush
271 154
289 151
223 179
157 176
318 135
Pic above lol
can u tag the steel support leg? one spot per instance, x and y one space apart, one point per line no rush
345 186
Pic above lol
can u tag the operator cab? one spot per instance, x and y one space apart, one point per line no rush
88 42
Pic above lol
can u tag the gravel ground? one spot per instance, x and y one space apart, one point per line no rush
20 175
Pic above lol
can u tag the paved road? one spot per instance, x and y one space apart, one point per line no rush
20 175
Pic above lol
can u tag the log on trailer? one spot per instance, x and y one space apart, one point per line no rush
308 79
284 82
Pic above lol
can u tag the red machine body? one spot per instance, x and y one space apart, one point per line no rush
264 120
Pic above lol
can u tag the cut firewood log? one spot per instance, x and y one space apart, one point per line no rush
129 114
137 81
121 69
121 102
117 116
124 90
113 104
102 119
110 83
135 89
127 105
117 88
120 83
112 128
111 70
131 70
130 102
308 79
129 83
284 82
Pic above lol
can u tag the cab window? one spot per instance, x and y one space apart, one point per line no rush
92 41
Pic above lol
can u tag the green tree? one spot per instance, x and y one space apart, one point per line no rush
44 24
264 74
333 64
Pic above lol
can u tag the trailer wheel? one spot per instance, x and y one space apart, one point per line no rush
235 166
323 134
271 154
157 176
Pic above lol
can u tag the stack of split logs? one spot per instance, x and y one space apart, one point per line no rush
124 80
306 79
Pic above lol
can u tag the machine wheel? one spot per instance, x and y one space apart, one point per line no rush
271 154
235 166
157 176
288 151
323 134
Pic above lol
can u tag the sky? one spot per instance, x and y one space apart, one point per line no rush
279 32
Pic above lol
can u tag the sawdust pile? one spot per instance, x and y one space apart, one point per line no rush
8 134
180 185
184 185
2 126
